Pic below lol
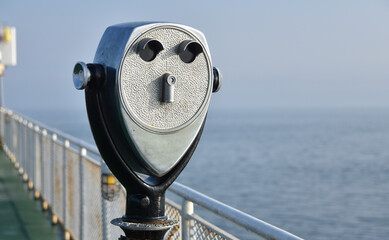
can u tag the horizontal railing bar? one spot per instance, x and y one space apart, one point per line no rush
240 218
173 204
94 161
212 227
199 219
80 143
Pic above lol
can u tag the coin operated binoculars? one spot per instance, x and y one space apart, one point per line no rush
147 96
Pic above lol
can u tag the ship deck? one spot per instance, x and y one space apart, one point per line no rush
20 215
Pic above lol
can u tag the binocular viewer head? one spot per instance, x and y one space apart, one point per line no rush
152 84
147 94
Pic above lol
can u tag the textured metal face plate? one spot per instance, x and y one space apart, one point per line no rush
140 82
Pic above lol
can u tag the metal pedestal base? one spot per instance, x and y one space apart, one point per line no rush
149 231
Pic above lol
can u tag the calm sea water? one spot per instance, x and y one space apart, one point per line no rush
318 174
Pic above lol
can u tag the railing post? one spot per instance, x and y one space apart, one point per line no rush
38 157
187 210
7 123
27 149
43 163
24 149
11 134
52 179
104 218
83 153
4 124
31 156
20 142
1 125
8 135
18 147
66 145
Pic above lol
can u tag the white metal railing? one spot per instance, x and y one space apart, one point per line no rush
65 173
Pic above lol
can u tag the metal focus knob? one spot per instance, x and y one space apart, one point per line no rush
81 75
84 74
217 79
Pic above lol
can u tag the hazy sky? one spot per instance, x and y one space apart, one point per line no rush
273 54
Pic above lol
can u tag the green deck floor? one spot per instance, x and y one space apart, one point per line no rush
20 216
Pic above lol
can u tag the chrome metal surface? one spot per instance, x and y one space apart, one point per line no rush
81 75
152 125
168 82
144 226
217 79
139 81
